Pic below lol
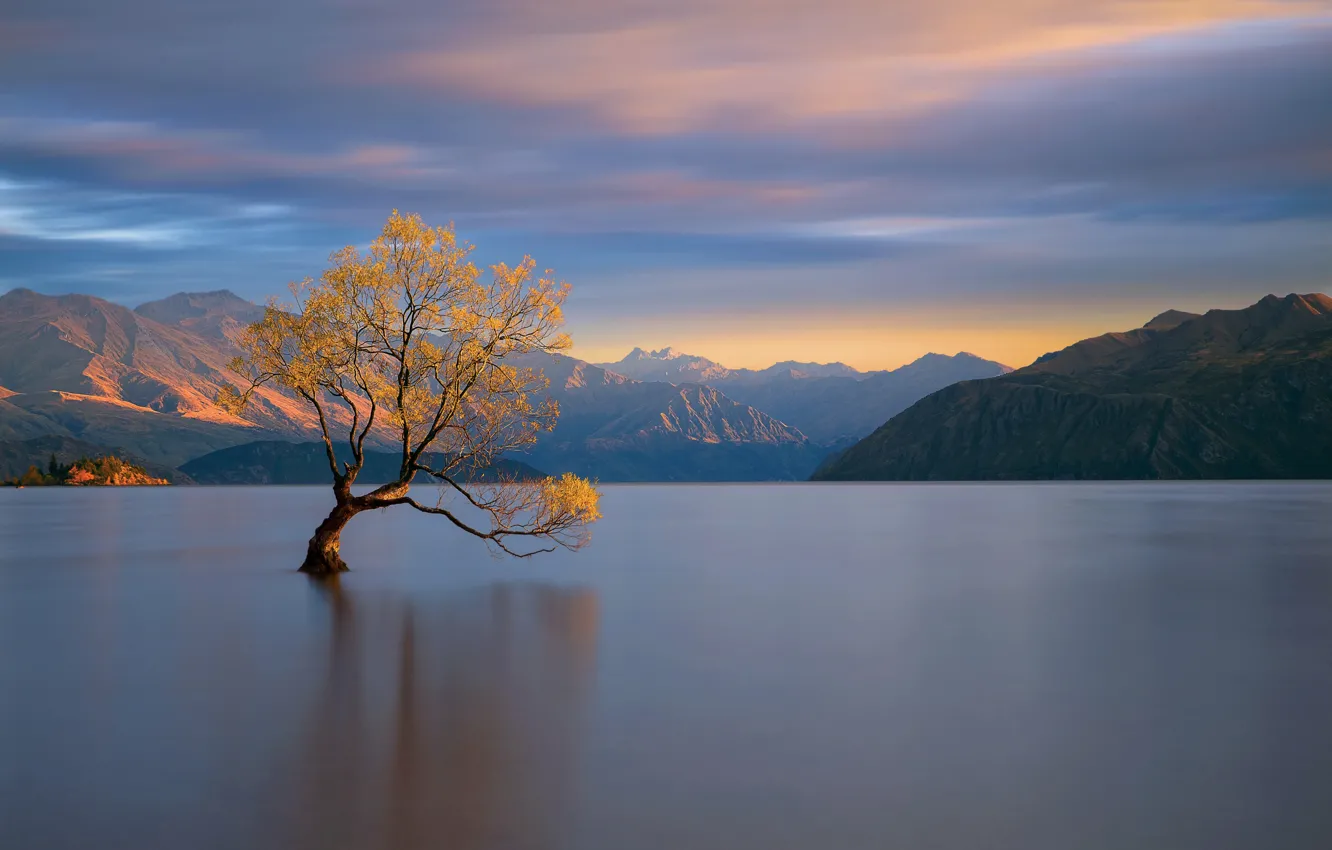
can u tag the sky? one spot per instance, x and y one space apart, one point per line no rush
853 180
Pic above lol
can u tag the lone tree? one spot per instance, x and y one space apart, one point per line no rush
408 345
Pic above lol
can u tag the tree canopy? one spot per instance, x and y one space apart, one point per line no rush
410 345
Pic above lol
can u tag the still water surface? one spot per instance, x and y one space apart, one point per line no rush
990 666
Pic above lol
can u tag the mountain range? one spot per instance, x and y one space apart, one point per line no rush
143 382
1226 394
678 368
618 429
831 403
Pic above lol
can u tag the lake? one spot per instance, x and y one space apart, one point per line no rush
729 667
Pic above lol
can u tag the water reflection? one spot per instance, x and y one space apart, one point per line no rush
452 723
1089 666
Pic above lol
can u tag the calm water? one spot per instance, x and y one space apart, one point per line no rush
1048 666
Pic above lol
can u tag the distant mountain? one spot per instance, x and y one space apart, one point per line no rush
830 403
77 366
668 365
796 369
144 381
617 429
675 367
17 455
216 315
610 427
839 410
1228 394
277 462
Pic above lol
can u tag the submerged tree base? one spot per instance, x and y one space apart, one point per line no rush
324 556
319 564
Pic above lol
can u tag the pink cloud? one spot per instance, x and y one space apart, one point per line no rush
768 65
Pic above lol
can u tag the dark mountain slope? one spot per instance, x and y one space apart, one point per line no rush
1230 394
276 462
17 455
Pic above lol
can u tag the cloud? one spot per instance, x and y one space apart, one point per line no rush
1045 107
707 65
703 155
148 153
53 212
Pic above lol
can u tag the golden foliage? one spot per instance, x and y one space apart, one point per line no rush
418 347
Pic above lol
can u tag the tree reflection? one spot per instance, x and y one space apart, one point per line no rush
449 723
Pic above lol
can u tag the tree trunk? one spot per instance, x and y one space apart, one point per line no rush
323 558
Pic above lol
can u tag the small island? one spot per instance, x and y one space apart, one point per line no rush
107 471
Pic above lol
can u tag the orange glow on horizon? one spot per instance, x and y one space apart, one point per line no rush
863 348
1010 334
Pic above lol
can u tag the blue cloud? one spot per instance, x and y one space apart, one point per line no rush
134 166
